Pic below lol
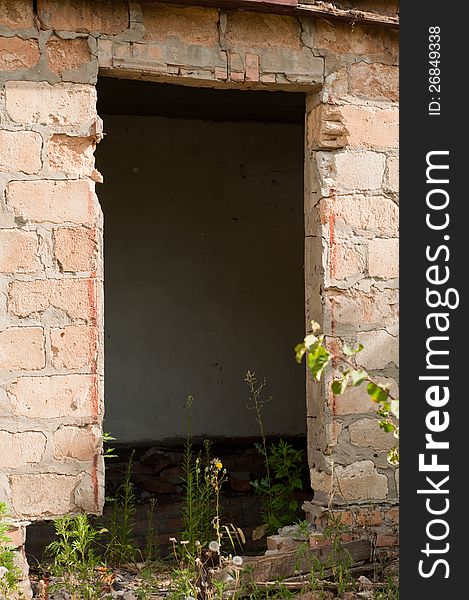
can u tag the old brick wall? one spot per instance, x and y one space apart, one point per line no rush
51 315
351 260
51 226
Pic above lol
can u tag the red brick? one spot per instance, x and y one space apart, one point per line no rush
51 397
17 14
317 540
190 24
371 127
44 494
74 347
53 201
17 54
17 536
22 348
67 55
392 515
19 251
341 38
72 296
252 67
71 154
80 443
384 539
367 518
261 30
346 517
383 258
20 152
108 17
75 249
21 449
63 106
375 81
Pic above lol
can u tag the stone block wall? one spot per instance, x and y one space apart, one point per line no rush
351 212
51 317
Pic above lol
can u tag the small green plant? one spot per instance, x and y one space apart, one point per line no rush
316 575
182 584
315 567
274 591
218 590
151 548
148 584
108 452
318 357
9 572
194 576
74 557
184 576
389 592
281 507
339 560
201 512
122 548
303 528
204 536
216 477
283 466
337 565
198 510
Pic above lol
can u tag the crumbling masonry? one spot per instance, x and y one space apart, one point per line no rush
51 271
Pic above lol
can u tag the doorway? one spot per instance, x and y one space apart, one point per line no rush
204 279
203 206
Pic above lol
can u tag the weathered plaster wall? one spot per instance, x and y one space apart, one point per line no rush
51 321
209 283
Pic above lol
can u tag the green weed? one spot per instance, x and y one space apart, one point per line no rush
75 559
390 592
339 560
122 548
9 572
108 452
199 503
283 466
151 547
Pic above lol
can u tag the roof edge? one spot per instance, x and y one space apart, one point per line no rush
320 10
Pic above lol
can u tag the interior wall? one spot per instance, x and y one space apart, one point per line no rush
204 235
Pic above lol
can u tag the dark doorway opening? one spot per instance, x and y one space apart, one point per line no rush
203 205
204 233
